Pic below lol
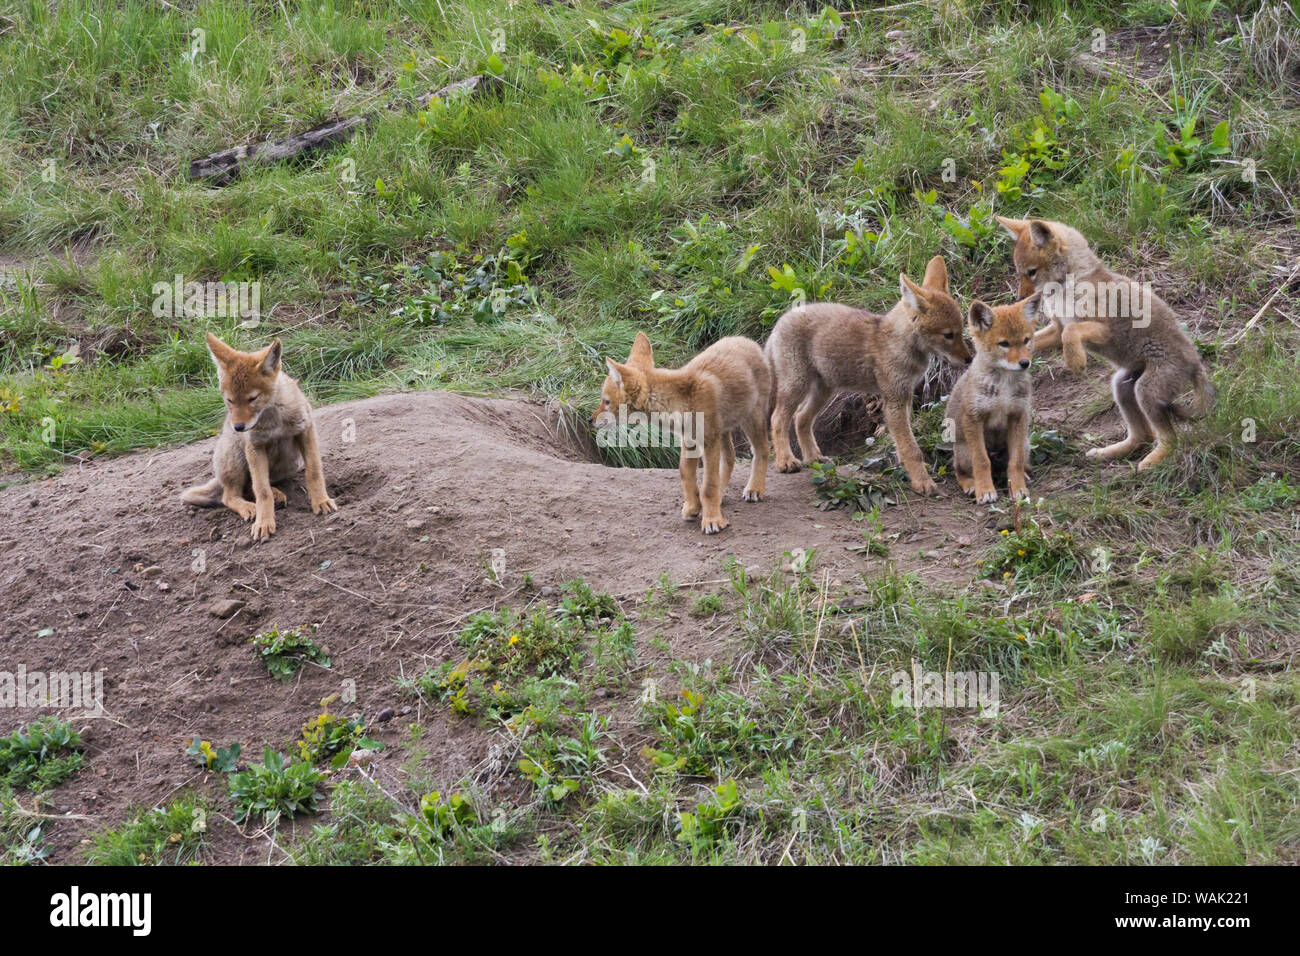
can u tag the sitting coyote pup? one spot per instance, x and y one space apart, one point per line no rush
723 388
990 405
267 437
818 349
1120 320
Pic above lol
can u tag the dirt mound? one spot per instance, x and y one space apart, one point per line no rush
108 571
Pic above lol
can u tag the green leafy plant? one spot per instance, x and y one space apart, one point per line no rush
701 829
222 760
446 814
284 652
161 836
274 788
851 488
327 736
41 755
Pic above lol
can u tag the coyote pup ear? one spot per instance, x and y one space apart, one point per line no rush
981 316
1031 306
1041 232
271 358
614 373
936 275
913 294
642 354
219 350
1013 226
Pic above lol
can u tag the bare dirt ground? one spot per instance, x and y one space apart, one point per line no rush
106 570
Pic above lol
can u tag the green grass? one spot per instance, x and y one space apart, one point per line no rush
681 168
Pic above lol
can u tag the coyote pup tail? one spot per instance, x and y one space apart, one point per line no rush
203 496
1201 401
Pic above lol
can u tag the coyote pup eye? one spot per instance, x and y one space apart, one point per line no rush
1005 345
948 336
1031 272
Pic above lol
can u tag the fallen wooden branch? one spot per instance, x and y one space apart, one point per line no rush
224 167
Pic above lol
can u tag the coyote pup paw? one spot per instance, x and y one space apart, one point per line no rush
986 497
245 509
714 525
263 529
690 511
278 496
789 466
323 506
749 494
925 487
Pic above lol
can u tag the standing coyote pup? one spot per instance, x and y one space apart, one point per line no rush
723 388
816 350
1122 321
268 435
991 403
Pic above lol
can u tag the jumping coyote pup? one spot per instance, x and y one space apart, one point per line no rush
816 350
1122 321
267 437
990 404
723 388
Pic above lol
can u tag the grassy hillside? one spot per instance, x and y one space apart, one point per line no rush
687 168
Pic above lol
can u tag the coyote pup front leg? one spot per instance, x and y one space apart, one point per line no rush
321 502
898 418
981 467
259 470
688 468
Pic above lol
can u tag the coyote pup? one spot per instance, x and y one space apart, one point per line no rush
1119 320
816 350
267 436
723 388
991 403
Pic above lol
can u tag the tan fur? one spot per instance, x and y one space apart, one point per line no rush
1156 365
728 384
277 438
991 404
819 349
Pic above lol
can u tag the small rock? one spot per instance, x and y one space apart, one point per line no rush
385 715
415 524
225 608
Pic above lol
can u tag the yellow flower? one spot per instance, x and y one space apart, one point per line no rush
1021 552
514 639
1021 637
1005 531
1006 574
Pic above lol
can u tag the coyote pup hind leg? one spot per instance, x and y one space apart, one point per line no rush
756 432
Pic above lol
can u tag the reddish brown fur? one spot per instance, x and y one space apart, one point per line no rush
267 436
819 349
991 404
1156 363
728 384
